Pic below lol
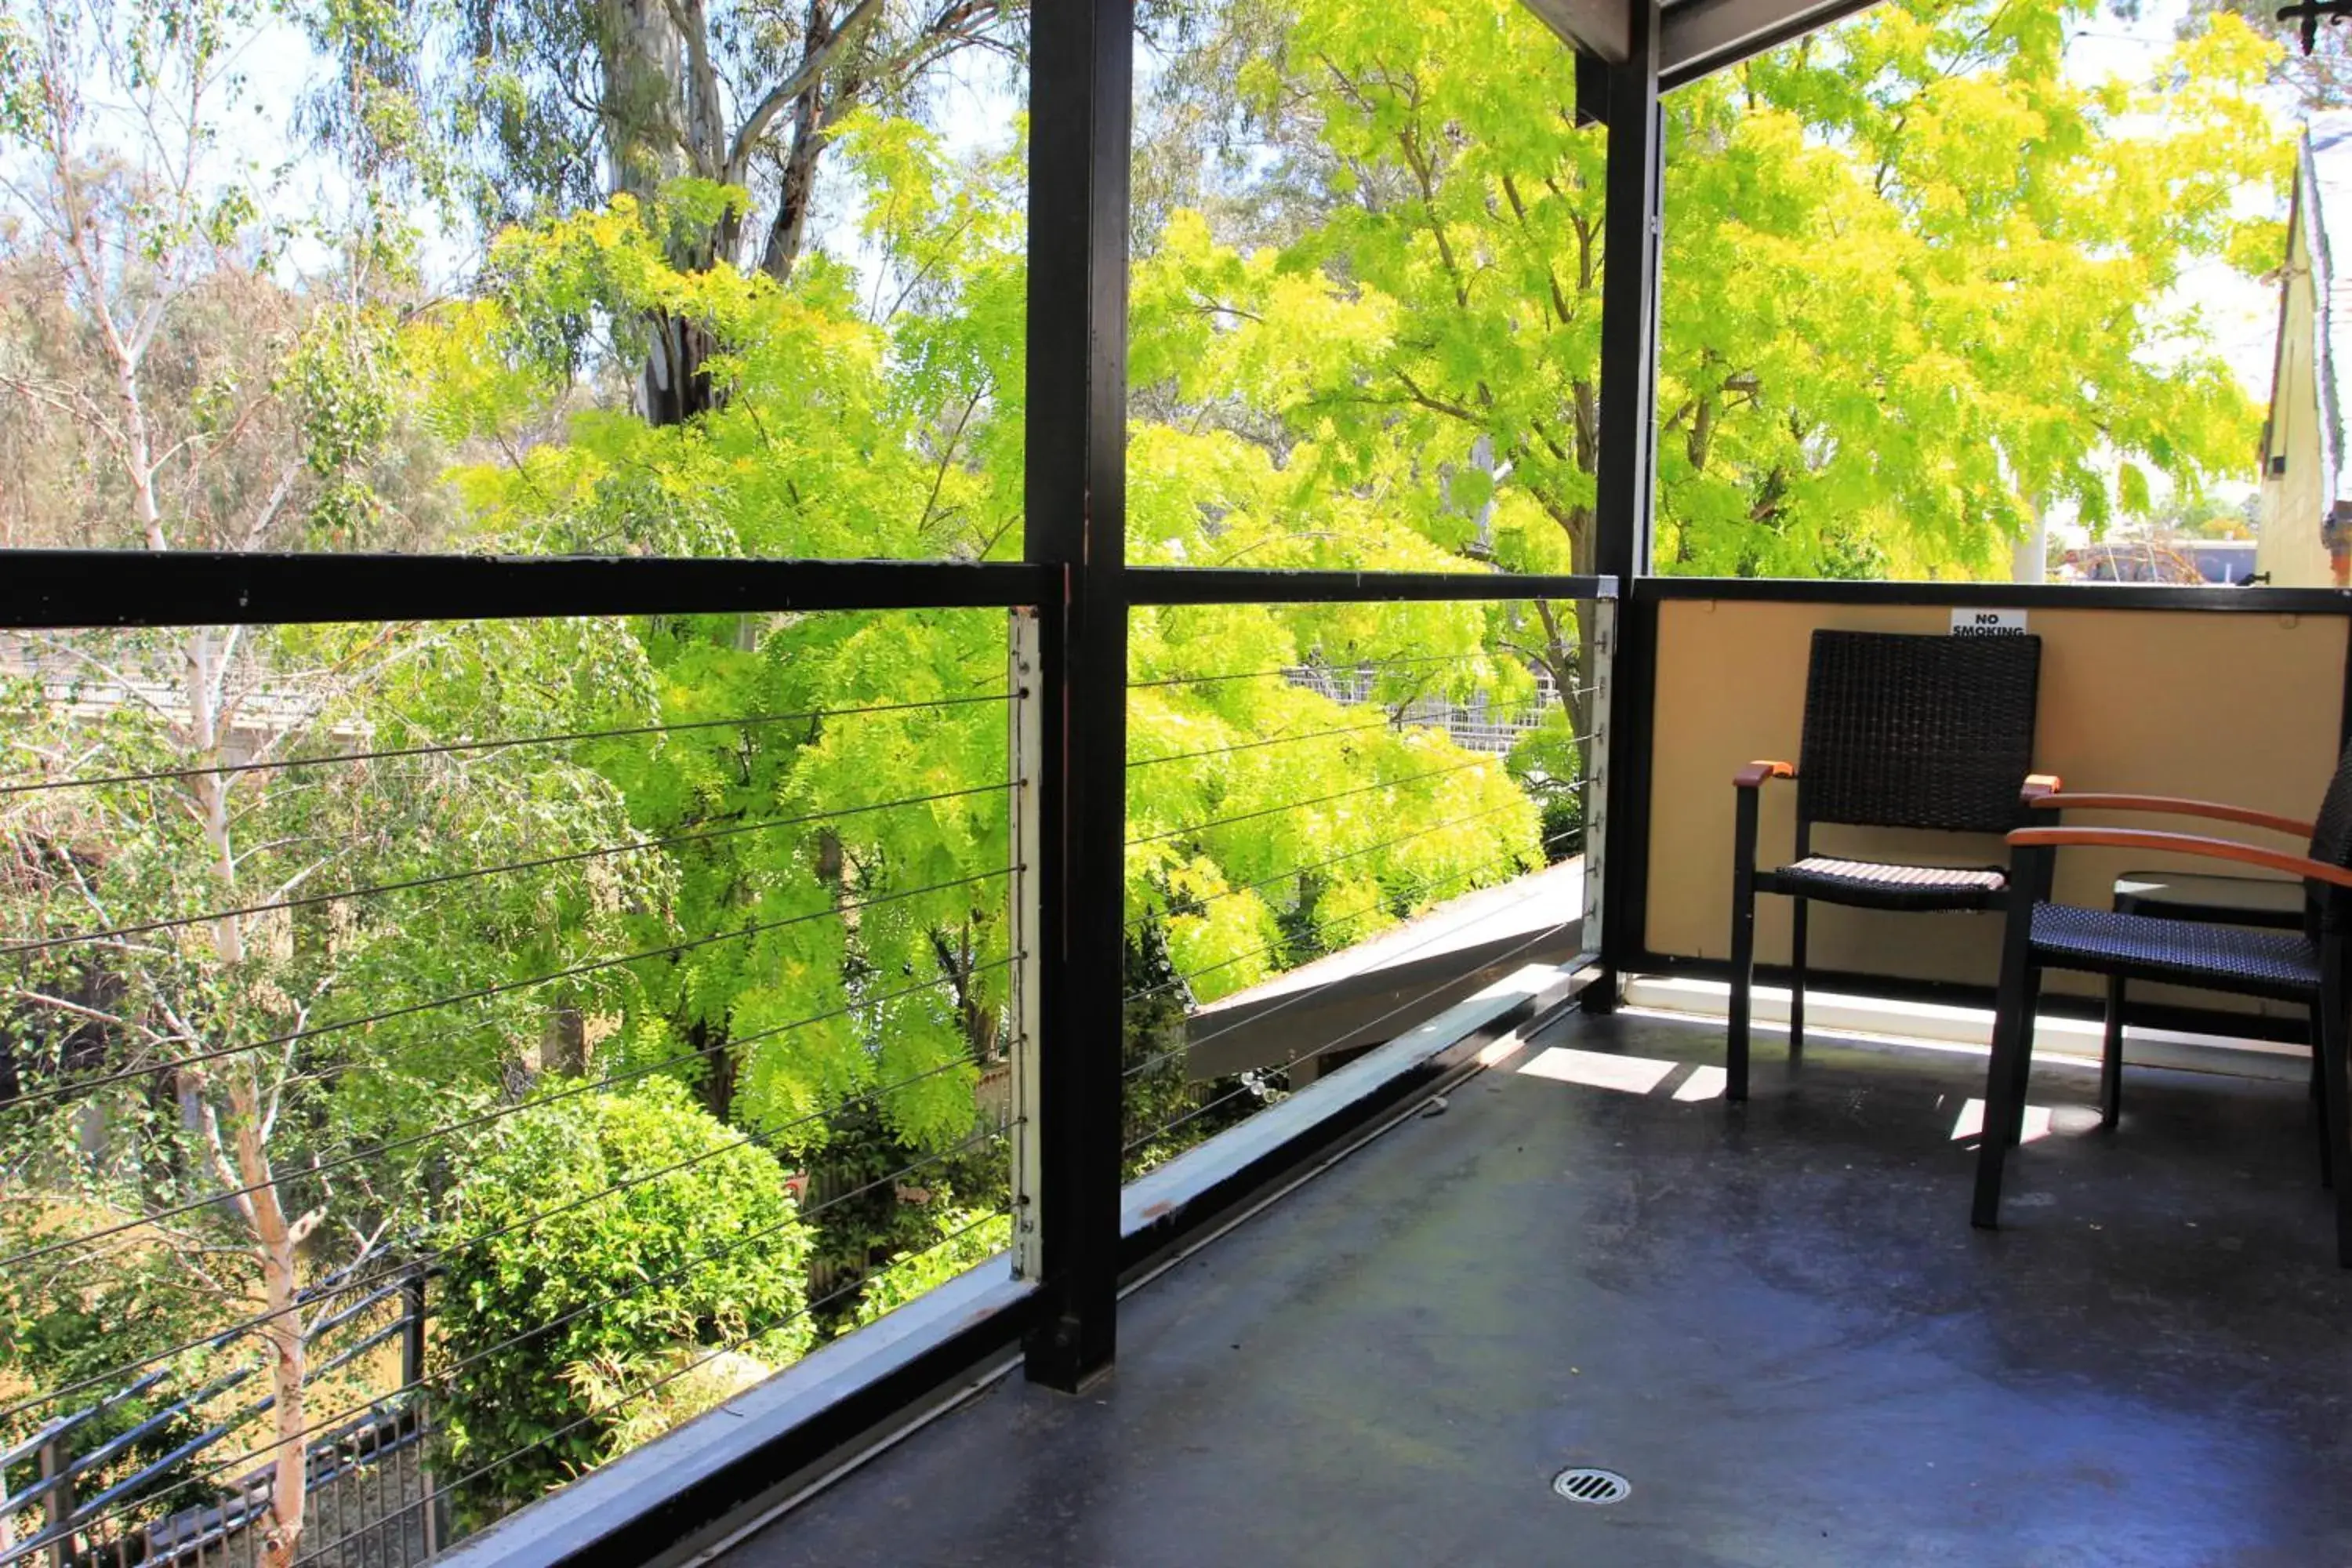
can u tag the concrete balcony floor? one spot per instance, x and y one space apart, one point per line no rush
1776 1322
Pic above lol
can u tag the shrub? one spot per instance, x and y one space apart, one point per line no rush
557 1275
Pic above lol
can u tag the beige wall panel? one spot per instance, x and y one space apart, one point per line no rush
2235 707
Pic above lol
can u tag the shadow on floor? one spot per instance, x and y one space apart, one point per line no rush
1775 1321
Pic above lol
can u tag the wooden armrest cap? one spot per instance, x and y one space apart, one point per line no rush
2172 806
2181 843
1753 776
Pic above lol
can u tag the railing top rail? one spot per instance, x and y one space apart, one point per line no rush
56 589
1219 585
2258 600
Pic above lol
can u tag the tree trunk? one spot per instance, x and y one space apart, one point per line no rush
276 1242
675 385
789 233
564 1042
810 128
644 70
718 1074
645 101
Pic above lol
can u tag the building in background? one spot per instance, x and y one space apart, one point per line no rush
2306 504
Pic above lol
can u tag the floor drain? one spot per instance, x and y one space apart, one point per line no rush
1588 1483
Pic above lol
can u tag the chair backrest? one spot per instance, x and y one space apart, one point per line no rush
1918 732
2331 841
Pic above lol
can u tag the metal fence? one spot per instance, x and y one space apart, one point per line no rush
957 865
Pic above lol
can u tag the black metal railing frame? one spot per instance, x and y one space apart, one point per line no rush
1068 759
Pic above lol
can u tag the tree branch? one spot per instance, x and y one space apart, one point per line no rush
805 75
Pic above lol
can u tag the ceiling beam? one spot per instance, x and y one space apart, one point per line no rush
1703 36
1601 27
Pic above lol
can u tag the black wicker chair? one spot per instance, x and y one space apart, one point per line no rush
2306 967
1900 732
2271 903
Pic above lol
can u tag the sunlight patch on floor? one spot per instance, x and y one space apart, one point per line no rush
1643 1074
1970 1122
1704 1083
1632 1075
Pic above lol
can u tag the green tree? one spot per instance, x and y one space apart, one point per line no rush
1916 282
2318 79
890 424
542 108
637 1297
226 1047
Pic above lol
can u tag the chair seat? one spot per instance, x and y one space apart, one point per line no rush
1880 885
2274 901
2144 946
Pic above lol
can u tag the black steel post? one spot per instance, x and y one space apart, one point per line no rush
412 1328
1081 68
1625 478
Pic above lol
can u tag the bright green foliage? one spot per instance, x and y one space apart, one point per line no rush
968 1238
344 972
886 430
1915 283
816 448
554 1263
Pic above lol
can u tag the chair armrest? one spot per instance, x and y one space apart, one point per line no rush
2039 787
2172 806
1753 776
2180 844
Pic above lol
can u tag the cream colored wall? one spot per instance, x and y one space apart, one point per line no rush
2223 706
2289 546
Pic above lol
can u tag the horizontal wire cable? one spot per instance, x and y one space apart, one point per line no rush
1427 887
433 1259
1304 674
1303 805
447 748
1253 746
500 1114
695 835
805 1310
1313 865
994 1133
1312 991
1332 1043
668 950
800 1215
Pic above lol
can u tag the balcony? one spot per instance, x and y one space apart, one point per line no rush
1347 1231
1776 1325
1427 1216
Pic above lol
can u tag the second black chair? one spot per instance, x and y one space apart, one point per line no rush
1899 731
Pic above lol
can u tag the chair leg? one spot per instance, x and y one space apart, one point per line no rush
2000 1091
2336 1113
1797 980
2022 1070
2319 1072
1743 984
2111 1057
2319 1093
2012 1045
